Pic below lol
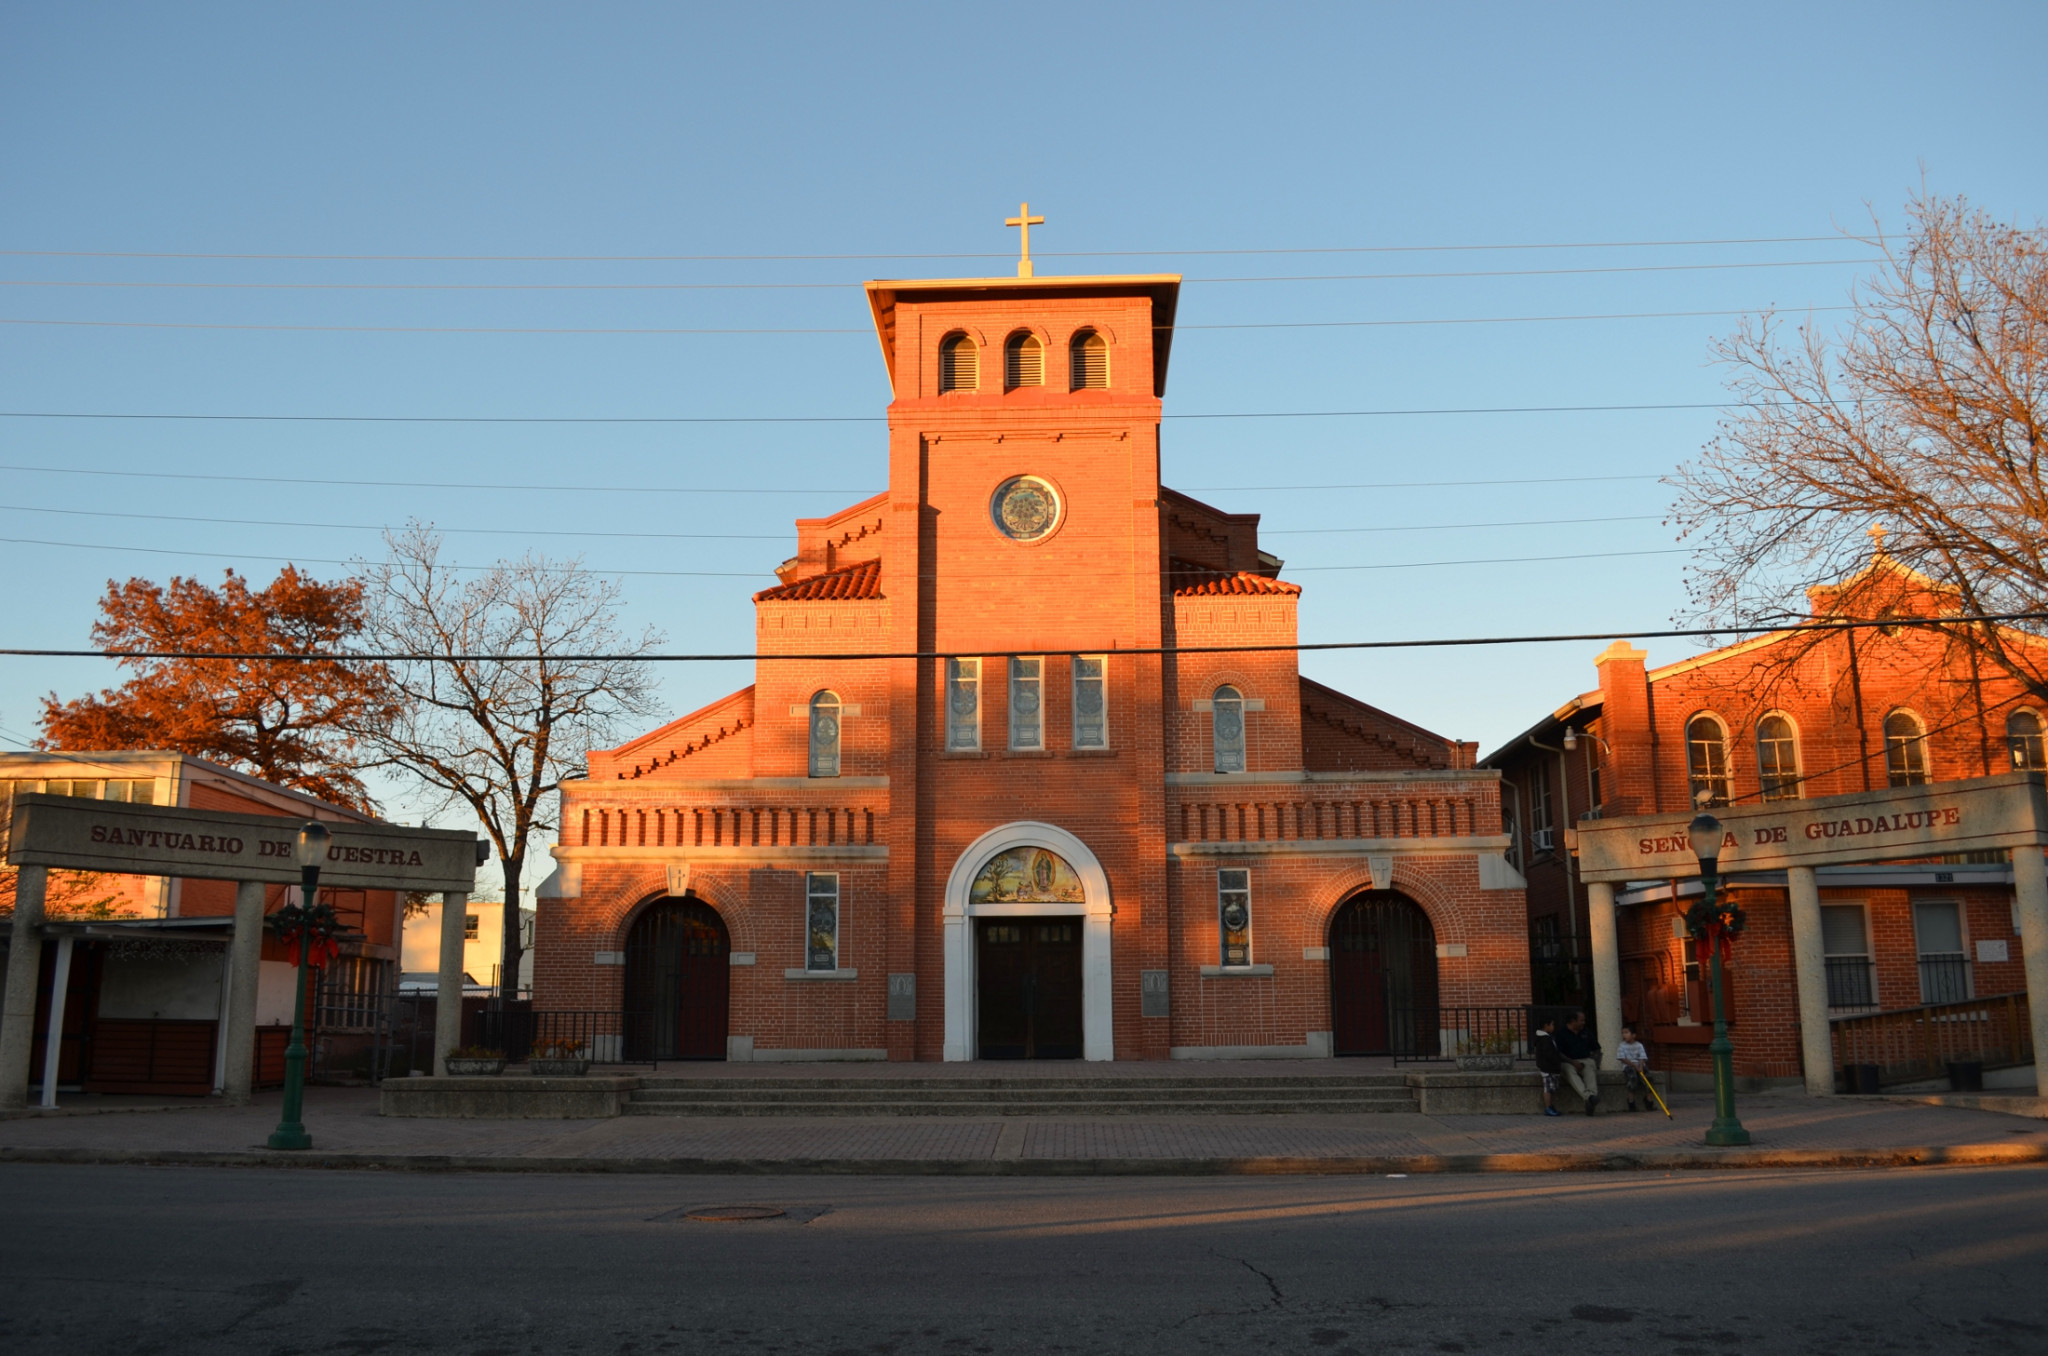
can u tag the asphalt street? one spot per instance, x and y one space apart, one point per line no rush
144 1260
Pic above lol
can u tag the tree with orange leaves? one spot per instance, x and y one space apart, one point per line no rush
286 721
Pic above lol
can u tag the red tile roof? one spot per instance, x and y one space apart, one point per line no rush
1190 580
855 581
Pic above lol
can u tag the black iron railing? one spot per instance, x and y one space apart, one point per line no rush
1427 1034
600 1036
1944 977
1852 982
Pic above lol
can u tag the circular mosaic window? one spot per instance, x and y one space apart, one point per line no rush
1025 508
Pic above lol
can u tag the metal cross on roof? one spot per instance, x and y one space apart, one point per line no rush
1024 221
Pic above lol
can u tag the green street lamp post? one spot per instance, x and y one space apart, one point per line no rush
1706 921
291 1128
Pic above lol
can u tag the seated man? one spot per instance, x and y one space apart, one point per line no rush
1581 1054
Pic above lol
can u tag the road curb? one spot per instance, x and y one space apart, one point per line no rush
1656 1160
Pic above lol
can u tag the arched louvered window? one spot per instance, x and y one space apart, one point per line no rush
1226 721
1706 761
1777 758
1905 750
1023 361
1090 361
825 735
959 364
2023 737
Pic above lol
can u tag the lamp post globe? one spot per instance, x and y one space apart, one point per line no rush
308 852
1708 922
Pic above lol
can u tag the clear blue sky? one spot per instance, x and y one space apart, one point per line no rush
875 130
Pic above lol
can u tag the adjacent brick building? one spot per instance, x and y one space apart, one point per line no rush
1016 789
1797 713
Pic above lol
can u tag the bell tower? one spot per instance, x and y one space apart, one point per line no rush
1024 530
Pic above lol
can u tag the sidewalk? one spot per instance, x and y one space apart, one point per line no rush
1789 1130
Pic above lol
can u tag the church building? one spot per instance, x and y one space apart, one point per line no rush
1028 769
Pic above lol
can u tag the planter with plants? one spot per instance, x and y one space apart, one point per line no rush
473 1060
558 1057
1492 1053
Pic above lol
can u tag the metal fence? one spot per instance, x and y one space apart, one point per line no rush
598 1035
1944 977
1448 1033
1852 982
1914 1043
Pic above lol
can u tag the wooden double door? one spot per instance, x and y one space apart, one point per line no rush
678 982
1383 994
1028 983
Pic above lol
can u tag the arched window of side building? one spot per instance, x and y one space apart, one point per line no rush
1905 750
1777 758
1226 722
2023 737
959 364
1089 356
1023 361
825 735
1706 761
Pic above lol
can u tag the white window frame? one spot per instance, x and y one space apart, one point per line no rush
821 891
1023 682
1100 682
963 730
1916 743
1233 881
1793 788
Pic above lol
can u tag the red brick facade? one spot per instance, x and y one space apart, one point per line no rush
1834 692
1333 796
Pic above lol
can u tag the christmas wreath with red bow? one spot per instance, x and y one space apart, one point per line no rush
318 924
1713 928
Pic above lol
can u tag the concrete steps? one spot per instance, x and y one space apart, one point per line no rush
1036 1096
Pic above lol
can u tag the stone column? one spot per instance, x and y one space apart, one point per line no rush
24 968
245 964
53 1042
448 994
1605 936
1810 965
2030 884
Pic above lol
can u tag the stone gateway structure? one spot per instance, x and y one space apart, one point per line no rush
1015 778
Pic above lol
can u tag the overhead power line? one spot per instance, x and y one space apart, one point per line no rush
1581 637
270 286
981 254
589 419
684 489
759 574
866 330
749 536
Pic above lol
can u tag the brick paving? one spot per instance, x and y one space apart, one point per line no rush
346 1121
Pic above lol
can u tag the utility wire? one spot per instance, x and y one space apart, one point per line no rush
982 254
855 418
751 536
865 330
679 489
159 285
757 574
1691 633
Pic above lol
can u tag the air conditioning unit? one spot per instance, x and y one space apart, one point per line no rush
1544 839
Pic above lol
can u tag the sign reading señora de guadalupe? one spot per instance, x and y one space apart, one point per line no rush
1902 822
162 840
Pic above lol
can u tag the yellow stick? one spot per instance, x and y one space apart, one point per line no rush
1653 1093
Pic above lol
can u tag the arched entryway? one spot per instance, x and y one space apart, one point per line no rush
1383 995
678 978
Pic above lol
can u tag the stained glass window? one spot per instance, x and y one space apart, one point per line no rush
1027 703
1226 719
963 704
1234 914
825 735
821 921
1091 706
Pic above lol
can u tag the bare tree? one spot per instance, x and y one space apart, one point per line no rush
509 677
1923 423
